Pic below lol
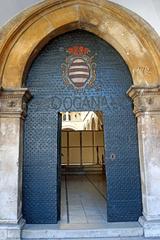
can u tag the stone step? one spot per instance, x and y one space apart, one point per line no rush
114 238
82 231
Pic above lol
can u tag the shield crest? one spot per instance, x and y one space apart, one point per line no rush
79 69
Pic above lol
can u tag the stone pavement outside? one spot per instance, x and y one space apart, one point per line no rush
123 238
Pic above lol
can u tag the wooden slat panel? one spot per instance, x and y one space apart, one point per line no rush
64 139
98 138
74 139
64 156
87 138
92 144
87 155
74 156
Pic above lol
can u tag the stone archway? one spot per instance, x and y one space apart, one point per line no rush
131 36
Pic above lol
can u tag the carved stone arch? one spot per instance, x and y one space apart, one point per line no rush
130 35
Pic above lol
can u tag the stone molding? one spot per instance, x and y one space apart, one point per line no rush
11 231
150 228
13 103
146 100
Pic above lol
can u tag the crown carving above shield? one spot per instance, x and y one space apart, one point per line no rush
79 69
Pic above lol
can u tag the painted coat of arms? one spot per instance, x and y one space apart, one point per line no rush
79 68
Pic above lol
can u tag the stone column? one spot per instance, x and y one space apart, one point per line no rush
12 113
147 110
67 116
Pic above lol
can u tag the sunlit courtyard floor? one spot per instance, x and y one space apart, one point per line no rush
83 199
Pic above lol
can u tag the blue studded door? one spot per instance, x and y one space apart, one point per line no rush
99 83
59 128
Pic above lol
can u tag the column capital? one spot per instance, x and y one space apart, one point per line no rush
146 100
13 102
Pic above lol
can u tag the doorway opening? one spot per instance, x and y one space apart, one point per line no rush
83 175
